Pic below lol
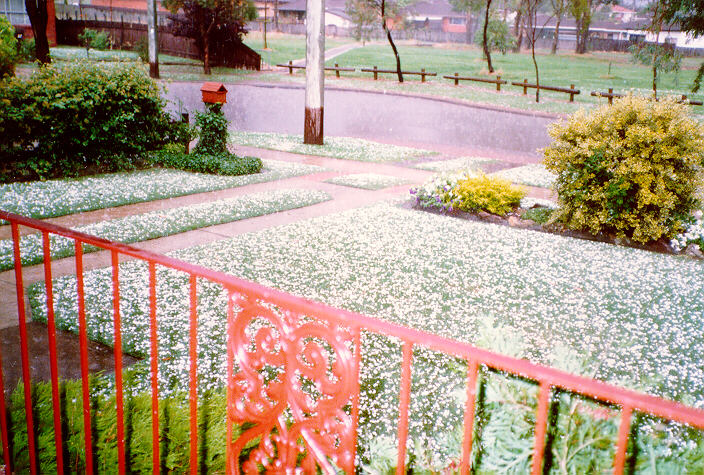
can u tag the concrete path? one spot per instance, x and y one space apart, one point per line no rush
330 53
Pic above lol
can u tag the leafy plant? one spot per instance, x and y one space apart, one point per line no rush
483 193
94 39
68 118
223 164
499 37
27 50
631 169
212 130
661 58
8 48
141 46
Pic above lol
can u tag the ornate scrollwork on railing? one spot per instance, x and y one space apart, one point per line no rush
291 391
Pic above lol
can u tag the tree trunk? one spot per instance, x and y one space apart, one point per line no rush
518 30
276 15
36 10
266 7
205 34
399 73
152 39
485 45
468 27
655 83
553 50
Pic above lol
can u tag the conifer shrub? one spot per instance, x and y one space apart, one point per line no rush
484 193
631 170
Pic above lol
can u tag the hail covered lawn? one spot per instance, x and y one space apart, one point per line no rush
534 174
367 181
46 199
630 316
346 148
164 222
462 163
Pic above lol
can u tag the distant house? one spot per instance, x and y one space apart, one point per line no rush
15 11
621 14
436 15
294 11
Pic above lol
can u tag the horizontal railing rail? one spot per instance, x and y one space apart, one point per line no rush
457 78
422 73
567 90
305 339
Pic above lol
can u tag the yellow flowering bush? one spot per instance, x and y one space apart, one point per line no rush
631 169
483 193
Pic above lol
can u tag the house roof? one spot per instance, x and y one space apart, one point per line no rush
432 8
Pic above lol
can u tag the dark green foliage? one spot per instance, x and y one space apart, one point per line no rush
8 48
225 164
142 48
539 215
94 39
212 126
173 424
499 37
26 50
66 120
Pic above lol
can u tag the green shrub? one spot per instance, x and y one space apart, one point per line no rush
27 50
631 169
68 118
142 49
483 193
94 39
212 131
539 215
8 48
223 164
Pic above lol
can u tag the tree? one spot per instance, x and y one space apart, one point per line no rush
485 42
530 16
690 15
385 11
559 8
661 58
499 37
583 11
468 7
38 17
212 23
363 15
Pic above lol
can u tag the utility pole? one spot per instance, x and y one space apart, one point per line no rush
315 63
152 37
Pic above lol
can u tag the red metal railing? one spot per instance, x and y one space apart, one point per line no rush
306 340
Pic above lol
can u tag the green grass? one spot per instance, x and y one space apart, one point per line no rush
163 222
622 315
73 53
47 199
346 148
283 48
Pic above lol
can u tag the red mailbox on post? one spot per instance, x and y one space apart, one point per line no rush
214 93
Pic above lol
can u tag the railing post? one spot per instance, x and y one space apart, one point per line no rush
611 96
337 70
498 83
541 422
422 74
572 93
525 87
290 67
622 444
404 402
457 81
375 73
469 410
193 381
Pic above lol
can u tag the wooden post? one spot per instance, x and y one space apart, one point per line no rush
457 81
315 72
498 83
337 70
152 37
525 87
375 73
611 96
290 67
572 93
422 74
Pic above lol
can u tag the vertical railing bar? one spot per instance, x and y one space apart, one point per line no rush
622 443
355 394
541 423
3 423
53 360
229 463
404 402
21 316
83 348
154 361
469 410
117 352
193 393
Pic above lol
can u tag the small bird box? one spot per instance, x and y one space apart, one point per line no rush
214 93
